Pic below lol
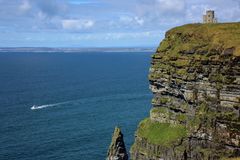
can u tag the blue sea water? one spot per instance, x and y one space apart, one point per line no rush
80 98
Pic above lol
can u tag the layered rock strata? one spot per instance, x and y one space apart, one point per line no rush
117 150
195 79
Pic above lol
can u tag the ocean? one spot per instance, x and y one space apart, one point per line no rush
78 100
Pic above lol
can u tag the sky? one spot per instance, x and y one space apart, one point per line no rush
102 23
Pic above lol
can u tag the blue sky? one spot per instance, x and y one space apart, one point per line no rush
101 23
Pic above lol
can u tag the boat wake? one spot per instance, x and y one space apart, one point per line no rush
118 97
35 107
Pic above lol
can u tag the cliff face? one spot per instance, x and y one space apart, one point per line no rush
195 79
117 150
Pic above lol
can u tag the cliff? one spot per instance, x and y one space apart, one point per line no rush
195 80
117 150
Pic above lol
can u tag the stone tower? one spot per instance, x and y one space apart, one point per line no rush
209 17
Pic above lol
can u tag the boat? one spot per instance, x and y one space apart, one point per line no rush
33 107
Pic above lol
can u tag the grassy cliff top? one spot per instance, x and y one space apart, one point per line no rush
220 38
163 134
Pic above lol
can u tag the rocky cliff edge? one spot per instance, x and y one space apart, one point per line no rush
195 80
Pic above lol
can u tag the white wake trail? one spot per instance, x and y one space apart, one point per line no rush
35 107
91 100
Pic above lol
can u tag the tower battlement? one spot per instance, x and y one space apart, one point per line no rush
209 17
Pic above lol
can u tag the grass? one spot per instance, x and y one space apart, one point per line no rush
163 134
161 100
181 63
203 37
181 117
160 110
164 100
182 72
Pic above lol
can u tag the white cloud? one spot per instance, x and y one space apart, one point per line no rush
155 13
126 19
161 8
171 5
73 24
139 21
194 13
41 15
131 20
117 35
25 6
127 35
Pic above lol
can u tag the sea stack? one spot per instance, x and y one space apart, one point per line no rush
117 149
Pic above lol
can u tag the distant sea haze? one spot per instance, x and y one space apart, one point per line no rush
64 106
74 50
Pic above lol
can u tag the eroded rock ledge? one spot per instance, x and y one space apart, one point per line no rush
195 79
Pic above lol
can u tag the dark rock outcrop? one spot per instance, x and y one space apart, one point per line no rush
195 79
117 150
